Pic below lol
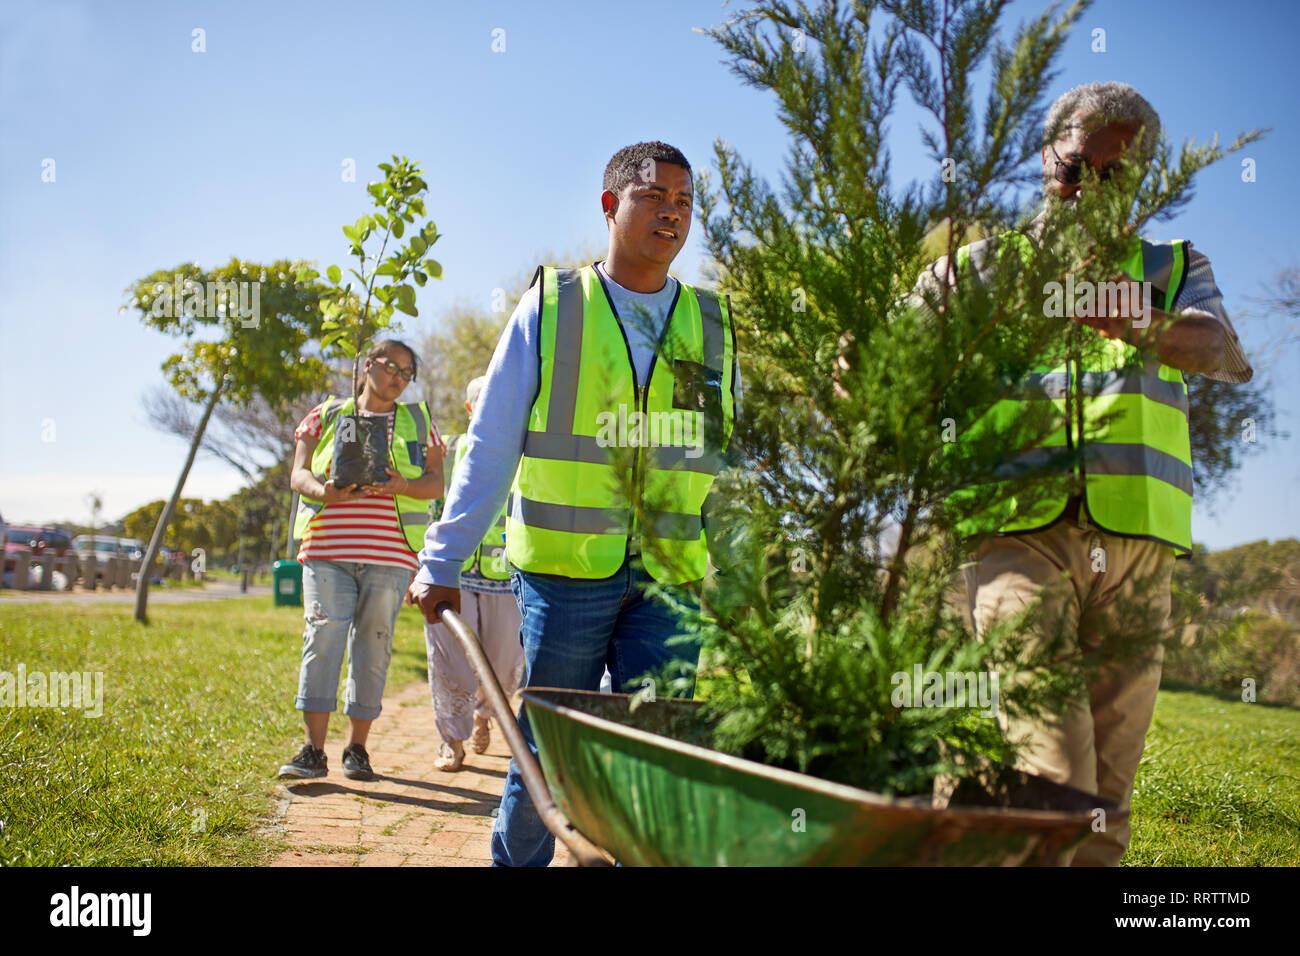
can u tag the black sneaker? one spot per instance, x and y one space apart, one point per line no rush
356 763
310 762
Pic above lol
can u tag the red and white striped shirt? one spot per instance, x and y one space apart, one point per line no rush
365 530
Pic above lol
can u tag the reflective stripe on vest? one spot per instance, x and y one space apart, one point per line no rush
1136 446
597 445
492 547
406 453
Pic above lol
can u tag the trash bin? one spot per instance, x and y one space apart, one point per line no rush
286 578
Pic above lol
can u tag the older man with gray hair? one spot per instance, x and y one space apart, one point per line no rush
489 607
1094 555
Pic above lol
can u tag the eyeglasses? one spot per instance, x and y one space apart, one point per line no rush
1071 174
392 368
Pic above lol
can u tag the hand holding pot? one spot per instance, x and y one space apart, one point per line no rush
334 494
395 485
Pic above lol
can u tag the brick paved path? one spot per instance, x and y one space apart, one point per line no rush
412 815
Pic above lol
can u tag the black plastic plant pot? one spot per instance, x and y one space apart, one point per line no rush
360 451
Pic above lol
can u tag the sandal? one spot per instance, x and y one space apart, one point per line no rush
450 757
482 735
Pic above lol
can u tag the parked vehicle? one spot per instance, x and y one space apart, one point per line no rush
57 540
37 539
132 550
19 537
102 546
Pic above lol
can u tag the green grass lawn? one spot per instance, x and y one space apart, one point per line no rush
198 715
1219 783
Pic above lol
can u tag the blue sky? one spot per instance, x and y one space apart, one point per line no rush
164 155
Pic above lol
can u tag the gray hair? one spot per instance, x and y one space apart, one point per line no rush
473 388
1110 103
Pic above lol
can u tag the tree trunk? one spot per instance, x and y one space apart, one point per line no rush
142 587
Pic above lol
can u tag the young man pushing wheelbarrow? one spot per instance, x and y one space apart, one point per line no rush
595 510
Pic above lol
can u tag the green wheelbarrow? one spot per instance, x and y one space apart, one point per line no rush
638 785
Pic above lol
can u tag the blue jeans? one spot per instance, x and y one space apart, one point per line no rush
572 629
354 606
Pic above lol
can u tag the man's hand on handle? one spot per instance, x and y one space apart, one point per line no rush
427 597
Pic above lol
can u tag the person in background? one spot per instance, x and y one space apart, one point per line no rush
488 607
358 554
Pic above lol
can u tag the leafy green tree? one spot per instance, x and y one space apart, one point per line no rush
843 518
142 521
1230 422
190 526
1227 422
1236 616
455 353
246 327
354 313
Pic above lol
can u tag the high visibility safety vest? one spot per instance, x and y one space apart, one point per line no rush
406 453
594 436
1137 464
489 558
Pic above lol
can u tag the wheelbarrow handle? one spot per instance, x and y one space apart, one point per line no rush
583 850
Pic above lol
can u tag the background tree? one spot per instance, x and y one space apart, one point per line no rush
250 439
263 521
1230 422
95 504
225 352
457 351
1227 423
1281 302
194 524
1236 619
257 441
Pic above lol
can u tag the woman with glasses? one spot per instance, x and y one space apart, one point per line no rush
359 546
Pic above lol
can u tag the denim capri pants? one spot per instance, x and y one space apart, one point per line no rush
354 606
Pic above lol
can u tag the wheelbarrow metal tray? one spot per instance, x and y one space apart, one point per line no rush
640 785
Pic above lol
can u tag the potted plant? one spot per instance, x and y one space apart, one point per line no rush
356 312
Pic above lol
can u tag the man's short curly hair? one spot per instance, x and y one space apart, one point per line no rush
628 163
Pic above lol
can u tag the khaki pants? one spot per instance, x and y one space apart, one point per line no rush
1096 746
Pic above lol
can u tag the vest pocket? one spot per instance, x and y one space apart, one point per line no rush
697 387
